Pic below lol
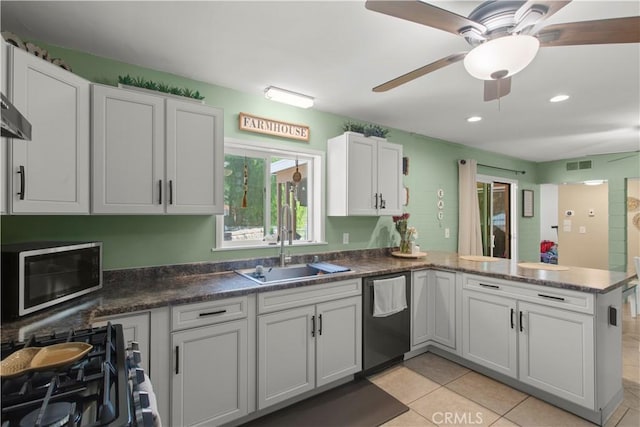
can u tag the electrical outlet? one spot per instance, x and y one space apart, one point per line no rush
345 238
583 229
447 234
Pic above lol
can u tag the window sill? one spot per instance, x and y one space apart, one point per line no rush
267 246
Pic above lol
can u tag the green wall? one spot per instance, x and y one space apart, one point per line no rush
615 168
135 241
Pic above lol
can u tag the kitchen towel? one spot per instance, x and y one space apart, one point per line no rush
389 296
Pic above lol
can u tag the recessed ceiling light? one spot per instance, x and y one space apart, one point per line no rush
559 98
474 119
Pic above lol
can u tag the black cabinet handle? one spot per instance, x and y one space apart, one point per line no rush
170 192
212 313
551 297
320 327
521 328
484 285
160 192
383 204
177 360
376 205
22 182
313 326
512 313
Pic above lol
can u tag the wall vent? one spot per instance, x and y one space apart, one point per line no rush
572 166
586 164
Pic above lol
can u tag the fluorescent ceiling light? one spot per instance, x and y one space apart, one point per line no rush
474 119
501 57
594 182
288 97
559 98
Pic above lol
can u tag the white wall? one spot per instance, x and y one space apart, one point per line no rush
548 212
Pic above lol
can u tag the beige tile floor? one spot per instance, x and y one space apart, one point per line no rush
434 388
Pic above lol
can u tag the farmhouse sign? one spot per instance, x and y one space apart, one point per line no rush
273 127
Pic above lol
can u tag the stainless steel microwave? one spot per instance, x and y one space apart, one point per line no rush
38 275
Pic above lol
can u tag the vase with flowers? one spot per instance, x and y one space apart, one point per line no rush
407 234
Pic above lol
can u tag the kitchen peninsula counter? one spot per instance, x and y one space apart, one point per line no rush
127 291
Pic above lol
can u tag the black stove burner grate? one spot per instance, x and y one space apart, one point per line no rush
93 391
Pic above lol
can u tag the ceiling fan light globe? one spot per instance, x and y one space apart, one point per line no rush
509 53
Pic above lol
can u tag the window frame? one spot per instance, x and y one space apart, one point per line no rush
315 180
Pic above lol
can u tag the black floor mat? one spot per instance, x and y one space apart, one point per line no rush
358 403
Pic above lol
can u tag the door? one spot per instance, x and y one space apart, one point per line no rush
50 174
419 308
489 331
389 178
557 352
209 383
362 170
128 152
195 163
496 198
442 315
286 354
338 339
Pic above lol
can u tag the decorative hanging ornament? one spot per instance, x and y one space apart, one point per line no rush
297 176
246 184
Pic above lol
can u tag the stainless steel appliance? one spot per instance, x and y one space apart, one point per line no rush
385 340
37 275
14 124
103 388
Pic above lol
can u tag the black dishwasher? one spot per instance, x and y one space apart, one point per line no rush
385 340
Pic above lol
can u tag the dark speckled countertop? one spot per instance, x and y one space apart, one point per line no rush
127 291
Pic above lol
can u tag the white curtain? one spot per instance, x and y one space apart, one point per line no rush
469 233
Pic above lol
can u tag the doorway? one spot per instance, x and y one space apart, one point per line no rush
496 199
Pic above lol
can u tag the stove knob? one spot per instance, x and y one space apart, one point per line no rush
138 376
137 357
147 418
135 346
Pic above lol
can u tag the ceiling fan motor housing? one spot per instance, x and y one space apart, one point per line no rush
501 18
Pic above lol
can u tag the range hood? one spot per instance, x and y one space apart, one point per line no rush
14 124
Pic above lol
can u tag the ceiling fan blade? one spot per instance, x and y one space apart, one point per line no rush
534 12
602 31
496 89
419 72
425 14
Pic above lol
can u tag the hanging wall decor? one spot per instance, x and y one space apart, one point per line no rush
246 184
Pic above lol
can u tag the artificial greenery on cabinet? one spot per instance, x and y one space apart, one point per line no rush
366 130
160 87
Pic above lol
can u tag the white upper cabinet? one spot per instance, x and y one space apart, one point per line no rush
50 173
3 141
195 158
364 176
128 151
153 155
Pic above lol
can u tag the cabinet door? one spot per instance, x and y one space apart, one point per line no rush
390 178
362 175
128 151
442 313
54 165
286 357
338 339
209 383
557 352
135 328
419 308
488 331
195 160
3 141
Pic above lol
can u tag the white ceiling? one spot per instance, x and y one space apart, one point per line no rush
336 51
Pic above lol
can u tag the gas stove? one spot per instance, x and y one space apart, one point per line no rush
104 388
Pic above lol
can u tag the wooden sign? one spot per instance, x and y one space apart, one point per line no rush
273 127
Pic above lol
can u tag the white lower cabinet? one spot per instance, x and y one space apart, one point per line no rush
306 347
209 385
210 362
135 328
537 337
433 308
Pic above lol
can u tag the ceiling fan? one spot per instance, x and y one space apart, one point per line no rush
504 36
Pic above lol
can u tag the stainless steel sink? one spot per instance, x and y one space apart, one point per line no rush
271 275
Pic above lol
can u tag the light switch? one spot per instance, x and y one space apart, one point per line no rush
583 229
446 233
345 238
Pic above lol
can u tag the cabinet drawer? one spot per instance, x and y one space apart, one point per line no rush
553 297
208 313
304 295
